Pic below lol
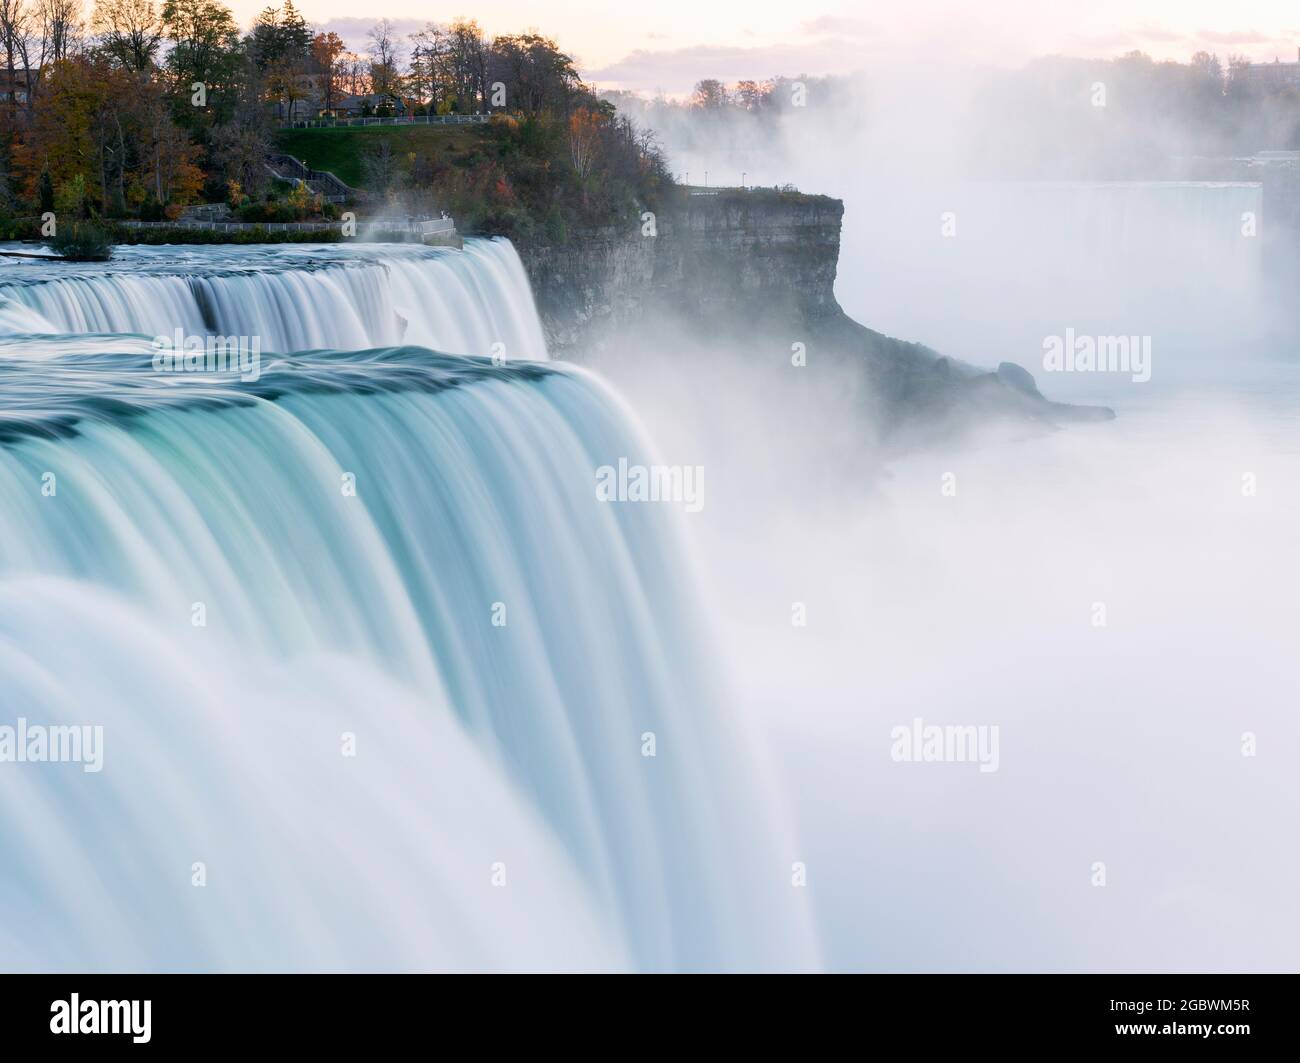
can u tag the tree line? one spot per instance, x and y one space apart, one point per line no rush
135 107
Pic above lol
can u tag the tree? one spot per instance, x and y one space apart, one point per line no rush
709 95
383 58
17 27
327 51
107 133
466 64
279 33
170 156
584 142
1238 80
538 77
428 52
1208 67
61 28
129 31
203 36
751 95
380 166
584 138
354 74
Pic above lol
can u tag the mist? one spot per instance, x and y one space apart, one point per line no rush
1115 600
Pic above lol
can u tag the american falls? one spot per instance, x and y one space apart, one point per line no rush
378 674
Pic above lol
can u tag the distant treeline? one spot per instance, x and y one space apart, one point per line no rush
1128 117
1056 118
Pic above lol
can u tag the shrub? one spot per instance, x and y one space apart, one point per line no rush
70 197
274 211
82 241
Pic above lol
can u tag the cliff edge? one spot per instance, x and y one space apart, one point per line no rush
758 268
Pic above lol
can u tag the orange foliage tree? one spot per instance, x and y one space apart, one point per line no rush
113 128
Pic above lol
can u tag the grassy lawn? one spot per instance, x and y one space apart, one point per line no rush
341 150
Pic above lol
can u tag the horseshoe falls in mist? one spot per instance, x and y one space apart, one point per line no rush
182 565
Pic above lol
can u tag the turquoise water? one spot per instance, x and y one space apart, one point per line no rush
370 658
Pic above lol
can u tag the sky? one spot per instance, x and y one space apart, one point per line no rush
673 43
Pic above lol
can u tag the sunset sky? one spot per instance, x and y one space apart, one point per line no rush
673 43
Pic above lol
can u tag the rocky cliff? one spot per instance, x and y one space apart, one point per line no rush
755 269
713 255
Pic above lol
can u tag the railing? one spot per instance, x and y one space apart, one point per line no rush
425 227
236 226
406 119
303 172
714 190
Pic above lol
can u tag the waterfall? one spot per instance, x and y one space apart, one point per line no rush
371 659
291 298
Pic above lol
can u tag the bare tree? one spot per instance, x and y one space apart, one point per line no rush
61 29
383 57
18 30
129 31
428 52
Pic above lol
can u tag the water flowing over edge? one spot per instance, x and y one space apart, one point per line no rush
475 301
395 549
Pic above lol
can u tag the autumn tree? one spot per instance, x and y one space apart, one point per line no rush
104 129
538 77
584 142
709 95
327 50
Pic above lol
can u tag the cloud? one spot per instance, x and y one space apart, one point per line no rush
839 26
1242 37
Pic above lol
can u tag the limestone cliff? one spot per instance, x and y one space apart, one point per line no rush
755 268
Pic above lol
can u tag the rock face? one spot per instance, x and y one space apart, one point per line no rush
757 269
713 257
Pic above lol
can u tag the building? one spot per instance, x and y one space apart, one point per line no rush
385 104
308 99
1272 76
16 88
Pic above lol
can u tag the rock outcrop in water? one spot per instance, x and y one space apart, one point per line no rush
756 269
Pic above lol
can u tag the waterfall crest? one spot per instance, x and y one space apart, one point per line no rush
292 298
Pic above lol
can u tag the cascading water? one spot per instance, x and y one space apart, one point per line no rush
291 298
392 553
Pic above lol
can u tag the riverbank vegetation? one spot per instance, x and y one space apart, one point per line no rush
133 109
